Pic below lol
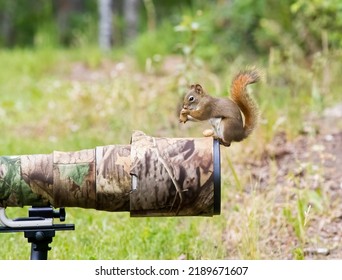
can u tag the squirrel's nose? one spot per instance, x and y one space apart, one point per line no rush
185 107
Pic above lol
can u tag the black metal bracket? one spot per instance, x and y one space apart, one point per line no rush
38 230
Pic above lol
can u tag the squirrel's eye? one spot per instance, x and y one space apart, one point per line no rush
191 98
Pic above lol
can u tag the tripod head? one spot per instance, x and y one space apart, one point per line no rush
38 217
38 228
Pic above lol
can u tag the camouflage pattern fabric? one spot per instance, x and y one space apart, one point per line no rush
173 176
150 177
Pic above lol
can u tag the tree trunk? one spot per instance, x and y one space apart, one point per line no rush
7 30
65 9
151 15
131 18
105 24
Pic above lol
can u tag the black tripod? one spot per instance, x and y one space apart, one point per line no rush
38 229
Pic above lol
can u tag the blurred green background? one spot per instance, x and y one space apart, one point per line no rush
78 74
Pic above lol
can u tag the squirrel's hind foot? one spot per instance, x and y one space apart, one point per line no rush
224 143
208 133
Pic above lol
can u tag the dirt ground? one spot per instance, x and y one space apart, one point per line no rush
314 161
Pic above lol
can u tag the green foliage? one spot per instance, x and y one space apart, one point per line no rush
298 216
229 27
152 46
22 18
298 222
322 16
37 24
257 26
298 254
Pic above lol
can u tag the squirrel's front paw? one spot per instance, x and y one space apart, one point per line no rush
183 119
183 116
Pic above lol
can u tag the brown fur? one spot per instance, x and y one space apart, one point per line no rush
224 113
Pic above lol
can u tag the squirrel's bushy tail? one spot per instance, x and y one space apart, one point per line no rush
245 102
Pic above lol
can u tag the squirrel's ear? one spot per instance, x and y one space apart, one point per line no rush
198 89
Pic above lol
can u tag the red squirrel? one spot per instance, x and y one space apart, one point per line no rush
224 114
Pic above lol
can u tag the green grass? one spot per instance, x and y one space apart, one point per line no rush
76 99
100 235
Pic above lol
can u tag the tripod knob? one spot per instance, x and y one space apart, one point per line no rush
61 214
